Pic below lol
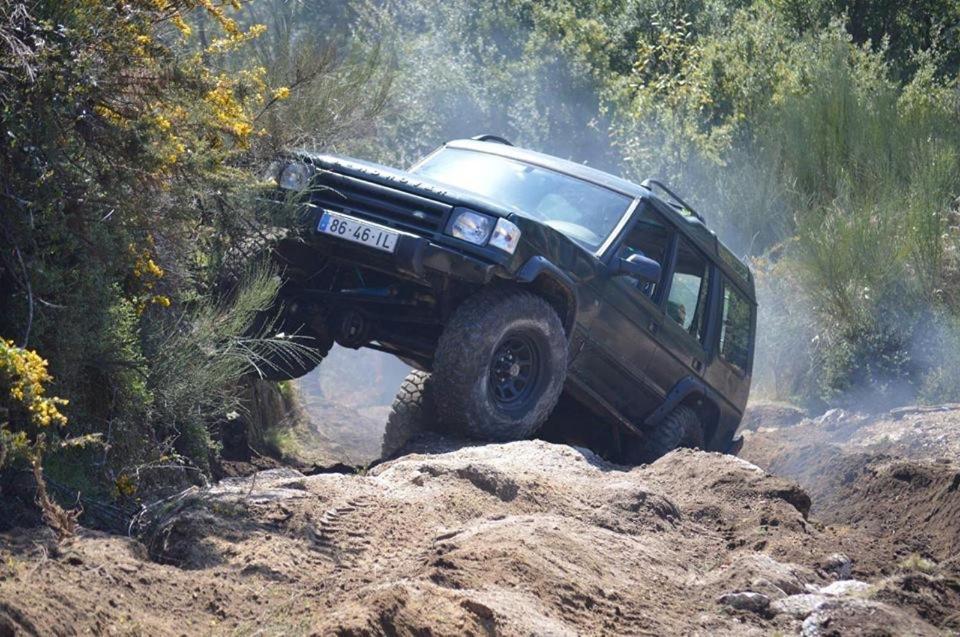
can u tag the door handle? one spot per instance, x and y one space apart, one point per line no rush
697 364
653 326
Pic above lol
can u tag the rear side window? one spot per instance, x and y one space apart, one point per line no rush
735 328
687 302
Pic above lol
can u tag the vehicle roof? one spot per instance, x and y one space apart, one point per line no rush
688 223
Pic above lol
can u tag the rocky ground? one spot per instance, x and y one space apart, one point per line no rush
536 538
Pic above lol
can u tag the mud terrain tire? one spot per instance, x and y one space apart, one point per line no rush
413 411
681 428
500 365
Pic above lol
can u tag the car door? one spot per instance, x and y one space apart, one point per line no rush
621 341
730 374
681 349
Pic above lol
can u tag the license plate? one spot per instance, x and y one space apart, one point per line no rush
352 229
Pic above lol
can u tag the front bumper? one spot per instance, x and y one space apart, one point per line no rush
415 257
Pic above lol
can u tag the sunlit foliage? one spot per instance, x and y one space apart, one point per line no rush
134 135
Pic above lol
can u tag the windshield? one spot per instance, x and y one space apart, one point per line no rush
585 212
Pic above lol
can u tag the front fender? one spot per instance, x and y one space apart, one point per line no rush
555 285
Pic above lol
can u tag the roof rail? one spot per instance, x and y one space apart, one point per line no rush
647 183
491 138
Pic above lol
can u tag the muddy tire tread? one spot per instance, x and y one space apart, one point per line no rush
412 412
681 428
474 329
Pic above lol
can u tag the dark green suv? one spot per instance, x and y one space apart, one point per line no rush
505 277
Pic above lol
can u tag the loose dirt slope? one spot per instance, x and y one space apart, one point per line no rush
893 476
522 538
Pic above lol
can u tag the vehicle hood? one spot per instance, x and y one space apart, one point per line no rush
405 181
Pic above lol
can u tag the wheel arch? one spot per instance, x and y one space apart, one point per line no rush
543 278
691 392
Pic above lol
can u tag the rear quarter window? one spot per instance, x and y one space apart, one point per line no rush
735 328
736 264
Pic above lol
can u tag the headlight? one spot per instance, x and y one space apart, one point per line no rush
294 176
506 236
471 226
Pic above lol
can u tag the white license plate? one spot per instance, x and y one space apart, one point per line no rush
352 229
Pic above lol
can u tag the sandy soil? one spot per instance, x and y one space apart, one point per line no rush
522 538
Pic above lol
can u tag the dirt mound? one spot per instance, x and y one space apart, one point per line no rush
893 476
916 503
770 414
521 538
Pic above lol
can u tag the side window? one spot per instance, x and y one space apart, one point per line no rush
735 329
687 304
649 237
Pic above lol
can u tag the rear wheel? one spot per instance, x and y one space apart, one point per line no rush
500 365
413 411
681 428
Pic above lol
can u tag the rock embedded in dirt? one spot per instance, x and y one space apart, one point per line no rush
832 418
845 587
759 572
838 565
851 616
797 606
745 600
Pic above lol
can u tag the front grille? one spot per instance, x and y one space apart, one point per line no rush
380 204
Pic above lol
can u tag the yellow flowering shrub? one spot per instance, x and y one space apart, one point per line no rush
23 373
120 122
146 274
170 125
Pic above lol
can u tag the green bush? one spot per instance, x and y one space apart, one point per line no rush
197 361
133 147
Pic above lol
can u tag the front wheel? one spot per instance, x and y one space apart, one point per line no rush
413 412
500 365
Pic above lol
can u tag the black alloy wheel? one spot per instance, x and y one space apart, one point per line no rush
500 365
516 371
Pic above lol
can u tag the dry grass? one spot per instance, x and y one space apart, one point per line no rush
62 521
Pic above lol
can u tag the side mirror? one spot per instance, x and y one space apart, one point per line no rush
639 267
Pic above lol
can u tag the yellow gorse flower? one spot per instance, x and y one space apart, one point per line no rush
26 374
181 25
147 273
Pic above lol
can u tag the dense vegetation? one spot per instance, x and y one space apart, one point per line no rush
132 142
820 137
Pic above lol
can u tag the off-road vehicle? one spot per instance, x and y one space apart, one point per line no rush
505 276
